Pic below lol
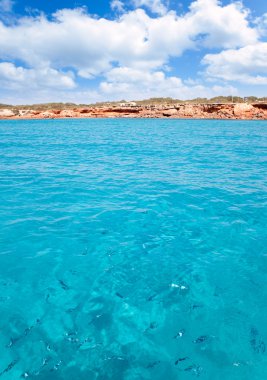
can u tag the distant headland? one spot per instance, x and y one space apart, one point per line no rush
200 108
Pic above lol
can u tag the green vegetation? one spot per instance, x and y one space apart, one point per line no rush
217 99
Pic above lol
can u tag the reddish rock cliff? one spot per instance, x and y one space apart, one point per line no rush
241 111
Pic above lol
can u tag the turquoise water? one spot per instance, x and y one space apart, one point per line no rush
133 250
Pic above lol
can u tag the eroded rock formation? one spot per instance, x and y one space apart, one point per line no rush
243 111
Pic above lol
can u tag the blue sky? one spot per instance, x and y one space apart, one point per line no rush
102 7
88 51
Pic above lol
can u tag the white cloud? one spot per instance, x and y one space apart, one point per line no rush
12 77
91 46
245 65
119 83
155 6
221 26
6 5
131 52
136 84
261 23
117 5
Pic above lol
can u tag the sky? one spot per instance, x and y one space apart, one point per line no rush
103 50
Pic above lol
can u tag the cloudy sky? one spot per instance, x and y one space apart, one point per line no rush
93 50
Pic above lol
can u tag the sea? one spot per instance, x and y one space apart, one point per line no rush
133 249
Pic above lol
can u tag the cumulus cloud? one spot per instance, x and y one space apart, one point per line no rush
130 52
117 5
245 65
13 77
155 6
75 39
125 82
261 23
222 26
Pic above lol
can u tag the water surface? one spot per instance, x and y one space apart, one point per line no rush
133 250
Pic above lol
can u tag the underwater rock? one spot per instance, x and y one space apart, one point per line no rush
185 364
153 364
257 344
63 285
26 332
201 339
9 367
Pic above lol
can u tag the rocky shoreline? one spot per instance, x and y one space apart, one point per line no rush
238 111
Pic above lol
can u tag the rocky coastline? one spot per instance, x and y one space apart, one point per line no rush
238 111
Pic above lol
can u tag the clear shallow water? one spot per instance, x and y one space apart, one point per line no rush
133 249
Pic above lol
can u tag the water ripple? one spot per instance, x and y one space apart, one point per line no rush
133 249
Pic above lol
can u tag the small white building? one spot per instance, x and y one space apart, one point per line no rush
128 104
